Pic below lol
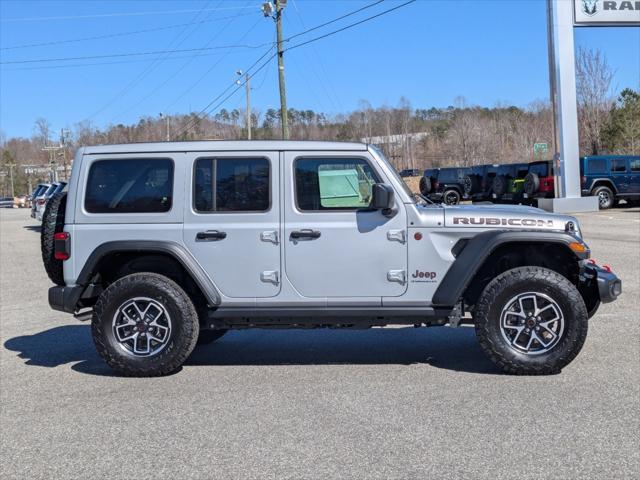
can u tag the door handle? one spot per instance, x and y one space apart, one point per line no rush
305 233
210 235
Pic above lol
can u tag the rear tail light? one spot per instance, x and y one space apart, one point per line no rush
41 201
583 180
436 185
61 246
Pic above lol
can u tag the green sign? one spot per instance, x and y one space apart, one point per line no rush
540 149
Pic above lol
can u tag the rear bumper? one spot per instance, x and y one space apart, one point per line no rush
65 299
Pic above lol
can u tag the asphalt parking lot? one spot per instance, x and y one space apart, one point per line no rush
382 403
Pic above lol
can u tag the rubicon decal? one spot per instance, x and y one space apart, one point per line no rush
494 221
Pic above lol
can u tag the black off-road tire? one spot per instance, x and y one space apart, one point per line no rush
52 223
184 325
606 197
451 197
499 185
530 279
531 184
425 185
470 184
209 336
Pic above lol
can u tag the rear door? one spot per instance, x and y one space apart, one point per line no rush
634 175
232 220
620 174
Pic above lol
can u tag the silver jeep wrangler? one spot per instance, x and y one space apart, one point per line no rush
167 245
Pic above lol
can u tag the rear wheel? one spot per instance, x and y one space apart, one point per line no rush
144 325
606 198
531 321
451 197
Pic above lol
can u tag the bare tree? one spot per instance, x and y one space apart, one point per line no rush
593 83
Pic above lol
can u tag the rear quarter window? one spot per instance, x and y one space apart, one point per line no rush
133 185
596 165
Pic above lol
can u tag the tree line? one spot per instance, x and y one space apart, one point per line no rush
460 134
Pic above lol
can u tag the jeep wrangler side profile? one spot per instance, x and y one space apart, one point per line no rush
611 178
166 245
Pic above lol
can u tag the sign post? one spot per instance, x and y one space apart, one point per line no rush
562 17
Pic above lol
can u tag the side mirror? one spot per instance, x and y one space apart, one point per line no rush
382 198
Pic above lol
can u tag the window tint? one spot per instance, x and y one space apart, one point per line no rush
596 166
133 185
231 185
635 165
619 165
333 183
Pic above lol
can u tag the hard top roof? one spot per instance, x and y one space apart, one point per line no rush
225 145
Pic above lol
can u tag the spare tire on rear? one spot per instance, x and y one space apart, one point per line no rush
52 223
499 185
470 184
425 185
531 183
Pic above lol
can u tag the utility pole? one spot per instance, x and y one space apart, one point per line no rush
248 94
168 126
10 166
268 11
283 94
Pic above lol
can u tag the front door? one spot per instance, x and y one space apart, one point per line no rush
334 246
232 221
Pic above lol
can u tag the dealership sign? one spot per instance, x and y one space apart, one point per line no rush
606 12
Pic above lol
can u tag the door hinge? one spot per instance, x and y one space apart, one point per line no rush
399 276
270 276
269 236
396 235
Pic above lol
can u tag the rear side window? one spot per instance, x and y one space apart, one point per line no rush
231 185
619 165
333 183
598 165
635 165
133 185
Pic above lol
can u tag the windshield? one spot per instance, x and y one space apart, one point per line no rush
394 172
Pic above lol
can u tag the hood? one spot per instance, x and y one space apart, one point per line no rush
515 217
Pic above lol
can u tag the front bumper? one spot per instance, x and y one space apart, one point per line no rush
609 286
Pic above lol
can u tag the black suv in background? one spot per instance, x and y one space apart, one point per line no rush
449 187
611 178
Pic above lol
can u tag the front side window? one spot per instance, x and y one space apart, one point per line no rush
134 185
619 165
231 185
333 183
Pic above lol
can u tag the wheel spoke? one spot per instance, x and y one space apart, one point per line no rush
137 329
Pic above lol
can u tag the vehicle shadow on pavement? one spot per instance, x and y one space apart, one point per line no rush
33 228
445 348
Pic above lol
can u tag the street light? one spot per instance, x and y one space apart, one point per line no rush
168 126
248 95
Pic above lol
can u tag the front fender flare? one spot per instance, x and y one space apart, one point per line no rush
478 248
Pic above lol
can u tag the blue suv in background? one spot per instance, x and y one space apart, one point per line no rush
611 178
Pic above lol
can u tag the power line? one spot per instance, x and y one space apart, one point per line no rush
360 22
131 54
121 34
122 14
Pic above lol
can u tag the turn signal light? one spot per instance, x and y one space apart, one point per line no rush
578 247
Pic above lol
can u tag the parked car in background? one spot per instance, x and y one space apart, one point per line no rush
449 187
539 183
21 201
6 202
429 181
478 182
37 193
43 199
611 178
411 172
508 183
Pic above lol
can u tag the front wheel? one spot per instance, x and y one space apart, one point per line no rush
144 325
531 321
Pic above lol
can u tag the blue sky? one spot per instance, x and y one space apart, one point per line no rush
489 51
